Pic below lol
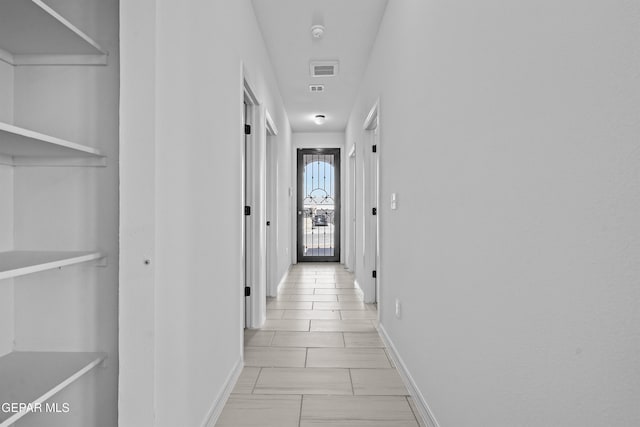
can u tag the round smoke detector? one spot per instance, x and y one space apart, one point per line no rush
317 31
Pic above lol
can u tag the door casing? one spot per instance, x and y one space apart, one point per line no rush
371 195
336 152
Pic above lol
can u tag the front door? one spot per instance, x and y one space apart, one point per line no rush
319 204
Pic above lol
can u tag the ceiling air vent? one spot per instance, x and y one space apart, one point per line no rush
324 68
316 88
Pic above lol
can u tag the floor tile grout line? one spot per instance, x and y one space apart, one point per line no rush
300 415
412 411
398 396
273 337
255 384
389 359
353 390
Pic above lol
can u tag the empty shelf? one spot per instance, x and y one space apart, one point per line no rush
31 33
23 147
19 263
33 377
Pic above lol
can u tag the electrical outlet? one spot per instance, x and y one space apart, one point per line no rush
398 306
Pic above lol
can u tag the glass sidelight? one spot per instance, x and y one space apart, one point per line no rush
319 204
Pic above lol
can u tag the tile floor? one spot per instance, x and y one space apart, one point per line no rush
318 360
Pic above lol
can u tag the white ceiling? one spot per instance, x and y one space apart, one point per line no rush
351 28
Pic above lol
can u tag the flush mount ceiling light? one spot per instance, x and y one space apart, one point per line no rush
319 119
317 31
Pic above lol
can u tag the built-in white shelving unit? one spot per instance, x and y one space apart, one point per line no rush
23 147
33 377
19 263
31 33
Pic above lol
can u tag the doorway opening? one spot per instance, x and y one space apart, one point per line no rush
253 240
371 187
271 198
318 221
351 211
246 223
258 251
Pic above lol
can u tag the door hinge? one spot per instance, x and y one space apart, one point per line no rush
247 129
374 211
247 210
374 274
374 148
247 291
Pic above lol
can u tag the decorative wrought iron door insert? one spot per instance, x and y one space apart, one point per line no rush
319 204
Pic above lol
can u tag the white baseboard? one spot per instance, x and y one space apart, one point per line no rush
422 406
358 288
219 402
282 279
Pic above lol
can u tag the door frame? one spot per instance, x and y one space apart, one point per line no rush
337 215
248 112
371 169
253 195
351 211
271 201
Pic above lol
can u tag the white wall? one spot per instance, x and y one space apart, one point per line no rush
136 303
285 202
282 200
6 92
510 133
6 244
6 214
316 140
190 323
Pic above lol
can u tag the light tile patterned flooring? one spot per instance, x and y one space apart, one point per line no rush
318 360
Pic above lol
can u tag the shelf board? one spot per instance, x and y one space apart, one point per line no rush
31 33
24 147
19 263
33 377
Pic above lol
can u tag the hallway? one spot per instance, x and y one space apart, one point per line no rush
488 193
318 360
